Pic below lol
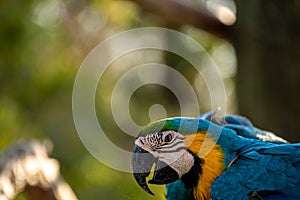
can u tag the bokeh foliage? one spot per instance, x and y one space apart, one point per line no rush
42 44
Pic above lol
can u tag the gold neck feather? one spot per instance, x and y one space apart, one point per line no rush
214 161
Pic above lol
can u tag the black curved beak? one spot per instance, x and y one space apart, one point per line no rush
142 162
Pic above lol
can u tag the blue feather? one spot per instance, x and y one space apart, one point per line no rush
260 166
245 128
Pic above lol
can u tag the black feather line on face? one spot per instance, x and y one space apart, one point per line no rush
191 178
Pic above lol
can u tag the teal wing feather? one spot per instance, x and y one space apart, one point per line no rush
243 127
273 168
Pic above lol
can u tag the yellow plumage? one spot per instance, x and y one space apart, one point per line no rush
213 161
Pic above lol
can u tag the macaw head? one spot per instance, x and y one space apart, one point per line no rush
172 146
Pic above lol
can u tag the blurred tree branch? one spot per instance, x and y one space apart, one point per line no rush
26 166
186 13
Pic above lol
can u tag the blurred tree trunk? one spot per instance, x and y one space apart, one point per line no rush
267 41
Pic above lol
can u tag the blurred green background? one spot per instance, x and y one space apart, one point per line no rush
43 43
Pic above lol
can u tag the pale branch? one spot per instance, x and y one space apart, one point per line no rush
26 167
188 13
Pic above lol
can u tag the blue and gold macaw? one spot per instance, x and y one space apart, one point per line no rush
219 159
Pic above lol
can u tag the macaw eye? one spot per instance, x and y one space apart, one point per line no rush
168 138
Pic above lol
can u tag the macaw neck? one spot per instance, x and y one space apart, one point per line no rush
218 148
205 147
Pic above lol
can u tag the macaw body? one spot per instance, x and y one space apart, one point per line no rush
228 159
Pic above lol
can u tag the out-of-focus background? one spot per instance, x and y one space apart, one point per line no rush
43 43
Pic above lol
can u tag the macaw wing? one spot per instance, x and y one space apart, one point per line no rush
274 174
243 127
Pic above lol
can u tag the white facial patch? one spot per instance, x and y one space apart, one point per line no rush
168 147
181 161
